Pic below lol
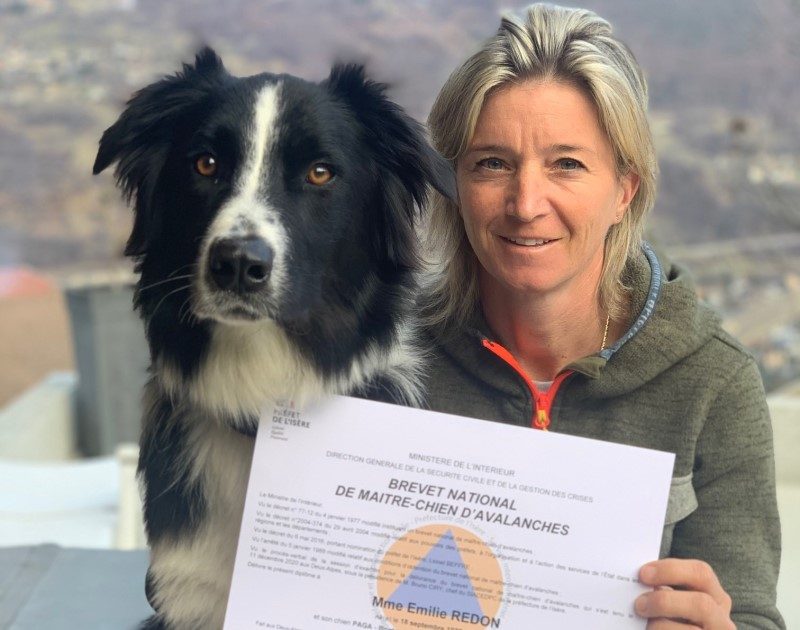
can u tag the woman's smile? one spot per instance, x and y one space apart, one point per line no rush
532 242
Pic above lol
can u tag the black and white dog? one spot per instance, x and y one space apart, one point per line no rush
274 236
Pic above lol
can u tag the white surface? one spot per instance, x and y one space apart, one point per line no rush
84 529
785 412
36 488
789 582
608 500
73 504
48 496
39 424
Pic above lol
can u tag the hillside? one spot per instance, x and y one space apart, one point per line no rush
722 72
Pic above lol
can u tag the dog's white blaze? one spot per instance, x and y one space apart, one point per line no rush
248 212
192 592
265 115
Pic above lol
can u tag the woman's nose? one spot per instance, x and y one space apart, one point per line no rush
527 196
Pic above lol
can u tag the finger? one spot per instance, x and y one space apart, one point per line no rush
694 575
691 607
670 624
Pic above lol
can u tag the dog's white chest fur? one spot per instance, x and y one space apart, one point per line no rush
247 367
250 366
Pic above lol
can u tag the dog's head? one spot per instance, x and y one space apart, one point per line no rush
255 196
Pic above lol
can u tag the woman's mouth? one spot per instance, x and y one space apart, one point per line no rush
528 242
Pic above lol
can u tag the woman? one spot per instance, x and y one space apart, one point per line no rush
546 309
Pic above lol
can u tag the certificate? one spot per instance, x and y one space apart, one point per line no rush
366 515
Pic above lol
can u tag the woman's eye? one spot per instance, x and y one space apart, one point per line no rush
568 164
206 165
492 164
319 174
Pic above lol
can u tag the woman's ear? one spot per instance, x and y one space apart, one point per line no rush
629 183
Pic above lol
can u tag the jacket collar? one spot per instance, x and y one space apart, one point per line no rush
669 326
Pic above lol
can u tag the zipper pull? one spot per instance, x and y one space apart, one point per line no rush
542 419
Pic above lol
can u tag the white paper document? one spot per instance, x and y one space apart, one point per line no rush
366 515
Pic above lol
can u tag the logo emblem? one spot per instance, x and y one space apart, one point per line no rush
440 573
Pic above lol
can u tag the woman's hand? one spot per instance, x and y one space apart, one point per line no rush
688 595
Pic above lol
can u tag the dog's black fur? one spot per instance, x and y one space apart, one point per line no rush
274 236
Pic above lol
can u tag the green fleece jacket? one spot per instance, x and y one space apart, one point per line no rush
675 382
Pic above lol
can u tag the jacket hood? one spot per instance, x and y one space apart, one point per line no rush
671 325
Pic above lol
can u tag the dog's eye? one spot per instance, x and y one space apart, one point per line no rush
206 165
319 174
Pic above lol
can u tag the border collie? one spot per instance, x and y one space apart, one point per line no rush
274 237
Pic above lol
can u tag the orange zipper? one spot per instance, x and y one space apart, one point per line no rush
543 402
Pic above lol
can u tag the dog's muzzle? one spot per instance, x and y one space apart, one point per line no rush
242 265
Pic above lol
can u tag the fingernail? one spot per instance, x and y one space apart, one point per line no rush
640 605
647 574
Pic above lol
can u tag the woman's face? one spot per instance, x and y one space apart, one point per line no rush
538 189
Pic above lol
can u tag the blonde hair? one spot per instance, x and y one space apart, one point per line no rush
550 43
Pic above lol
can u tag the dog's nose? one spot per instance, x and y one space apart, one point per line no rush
240 264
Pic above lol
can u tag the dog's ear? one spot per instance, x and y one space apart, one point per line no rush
141 138
408 163
400 138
